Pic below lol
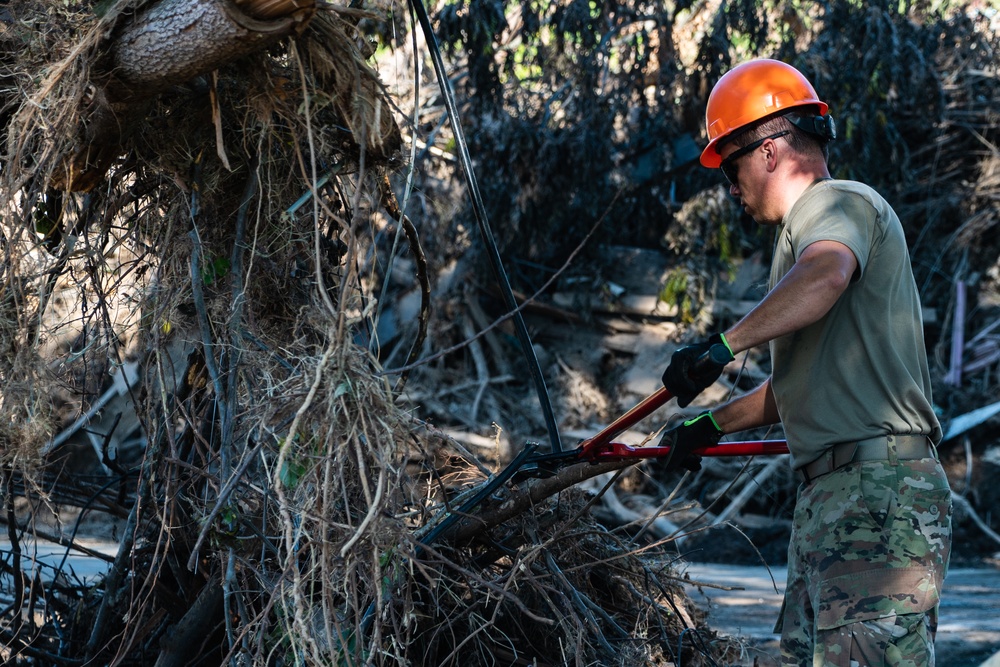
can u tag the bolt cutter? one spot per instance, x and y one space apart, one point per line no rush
596 449
600 448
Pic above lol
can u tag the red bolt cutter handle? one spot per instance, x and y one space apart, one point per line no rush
616 451
640 411
646 407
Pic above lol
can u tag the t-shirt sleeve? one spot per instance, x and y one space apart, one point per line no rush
838 216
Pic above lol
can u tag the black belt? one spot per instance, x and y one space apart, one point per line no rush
905 448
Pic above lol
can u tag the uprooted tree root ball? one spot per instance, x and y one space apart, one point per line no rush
187 294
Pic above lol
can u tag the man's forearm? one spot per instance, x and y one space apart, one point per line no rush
802 297
753 409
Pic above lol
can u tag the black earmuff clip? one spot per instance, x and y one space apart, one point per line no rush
823 127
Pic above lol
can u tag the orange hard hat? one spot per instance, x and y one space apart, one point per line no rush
748 92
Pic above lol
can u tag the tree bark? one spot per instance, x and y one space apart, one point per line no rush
185 640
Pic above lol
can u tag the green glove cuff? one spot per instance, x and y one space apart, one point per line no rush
725 342
703 415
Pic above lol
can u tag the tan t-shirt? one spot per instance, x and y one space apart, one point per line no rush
860 371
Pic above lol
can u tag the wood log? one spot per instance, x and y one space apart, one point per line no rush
174 41
523 498
182 644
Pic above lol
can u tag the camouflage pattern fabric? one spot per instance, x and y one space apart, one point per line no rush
867 559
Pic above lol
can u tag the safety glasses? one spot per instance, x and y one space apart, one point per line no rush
728 166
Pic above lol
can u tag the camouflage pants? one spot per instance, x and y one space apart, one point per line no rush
868 554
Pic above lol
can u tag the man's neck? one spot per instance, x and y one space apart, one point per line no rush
799 177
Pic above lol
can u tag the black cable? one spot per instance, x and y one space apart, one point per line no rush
484 226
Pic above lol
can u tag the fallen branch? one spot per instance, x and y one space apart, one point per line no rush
524 498
651 519
966 507
185 639
749 489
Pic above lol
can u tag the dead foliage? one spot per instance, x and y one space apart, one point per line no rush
187 337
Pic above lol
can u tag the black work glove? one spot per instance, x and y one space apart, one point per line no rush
694 367
702 431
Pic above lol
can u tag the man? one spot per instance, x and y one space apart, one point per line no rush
850 383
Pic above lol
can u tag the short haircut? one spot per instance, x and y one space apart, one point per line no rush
800 141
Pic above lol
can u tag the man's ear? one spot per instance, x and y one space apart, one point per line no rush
770 151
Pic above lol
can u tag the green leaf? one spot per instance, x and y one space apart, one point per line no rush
218 269
291 473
